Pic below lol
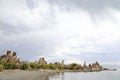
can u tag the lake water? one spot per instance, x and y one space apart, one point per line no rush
103 75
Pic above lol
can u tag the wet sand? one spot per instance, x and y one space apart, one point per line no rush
24 75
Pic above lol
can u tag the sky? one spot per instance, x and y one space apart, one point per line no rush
69 30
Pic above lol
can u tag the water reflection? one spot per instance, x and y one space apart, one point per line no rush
58 76
104 75
62 75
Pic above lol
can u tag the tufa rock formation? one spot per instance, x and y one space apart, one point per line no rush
92 67
10 57
42 61
96 67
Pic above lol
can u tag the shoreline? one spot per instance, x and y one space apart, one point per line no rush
34 74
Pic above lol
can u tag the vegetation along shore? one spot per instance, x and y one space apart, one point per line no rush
11 61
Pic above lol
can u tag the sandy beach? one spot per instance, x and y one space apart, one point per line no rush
23 75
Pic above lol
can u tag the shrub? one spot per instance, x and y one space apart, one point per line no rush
1 67
10 65
72 66
77 67
2 62
52 66
13 65
33 65
42 66
25 66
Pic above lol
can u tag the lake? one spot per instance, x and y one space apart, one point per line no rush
103 75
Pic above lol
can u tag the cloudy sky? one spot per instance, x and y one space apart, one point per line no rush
73 30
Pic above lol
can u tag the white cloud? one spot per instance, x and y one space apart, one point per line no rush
84 35
49 31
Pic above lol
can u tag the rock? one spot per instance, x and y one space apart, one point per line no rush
14 53
10 57
92 67
96 67
42 61
62 64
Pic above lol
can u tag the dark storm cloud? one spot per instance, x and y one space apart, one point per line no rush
9 29
30 4
93 6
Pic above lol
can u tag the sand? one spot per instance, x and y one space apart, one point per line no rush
24 75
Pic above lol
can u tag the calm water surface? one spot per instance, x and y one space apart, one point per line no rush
103 75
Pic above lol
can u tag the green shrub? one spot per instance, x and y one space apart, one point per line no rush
10 65
2 62
6 66
25 66
72 66
77 67
33 65
1 67
52 66
13 65
41 66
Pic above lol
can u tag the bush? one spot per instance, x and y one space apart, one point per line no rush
77 67
72 66
11 65
33 65
25 66
1 67
52 66
2 63
41 66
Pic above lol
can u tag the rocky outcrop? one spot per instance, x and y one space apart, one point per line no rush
85 67
93 67
62 64
42 61
10 57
